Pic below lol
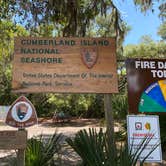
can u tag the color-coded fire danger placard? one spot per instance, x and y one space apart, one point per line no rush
139 127
21 114
146 85
76 65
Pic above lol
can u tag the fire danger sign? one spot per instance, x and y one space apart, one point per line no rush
146 85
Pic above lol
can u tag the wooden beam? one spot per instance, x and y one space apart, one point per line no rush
109 120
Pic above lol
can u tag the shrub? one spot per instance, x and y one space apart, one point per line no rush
41 151
94 149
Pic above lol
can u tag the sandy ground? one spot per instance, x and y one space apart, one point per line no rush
47 127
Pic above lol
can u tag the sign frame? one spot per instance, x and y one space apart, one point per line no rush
28 116
159 138
18 139
72 74
140 76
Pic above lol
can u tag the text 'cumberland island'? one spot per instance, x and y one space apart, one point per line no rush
53 47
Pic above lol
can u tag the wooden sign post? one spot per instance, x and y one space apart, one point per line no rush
21 114
15 140
21 157
67 65
109 120
21 154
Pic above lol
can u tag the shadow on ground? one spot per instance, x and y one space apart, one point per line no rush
71 123
66 156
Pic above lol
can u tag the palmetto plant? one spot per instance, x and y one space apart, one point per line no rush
40 151
94 150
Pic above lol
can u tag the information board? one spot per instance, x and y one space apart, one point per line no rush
139 127
10 139
76 65
146 80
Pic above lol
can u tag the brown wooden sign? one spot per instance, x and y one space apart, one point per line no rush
13 139
146 85
76 65
21 114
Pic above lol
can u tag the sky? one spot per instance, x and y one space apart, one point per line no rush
141 23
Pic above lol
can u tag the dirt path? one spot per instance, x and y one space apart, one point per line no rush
46 128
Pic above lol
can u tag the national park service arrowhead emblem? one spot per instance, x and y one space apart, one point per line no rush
21 114
89 56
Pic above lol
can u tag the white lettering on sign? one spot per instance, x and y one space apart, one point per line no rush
155 66
159 73
145 64
162 65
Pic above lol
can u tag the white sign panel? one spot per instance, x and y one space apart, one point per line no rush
3 112
139 127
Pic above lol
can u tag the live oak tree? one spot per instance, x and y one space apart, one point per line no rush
61 18
72 16
147 48
7 33
162 30
65 18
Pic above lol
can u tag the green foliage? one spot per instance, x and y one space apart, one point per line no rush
42 152
43 30
163 10
6 9
94 149
120 106
41 104
162 30
90 147
85 105
73 16
146 49
7 33
144 5
58 18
